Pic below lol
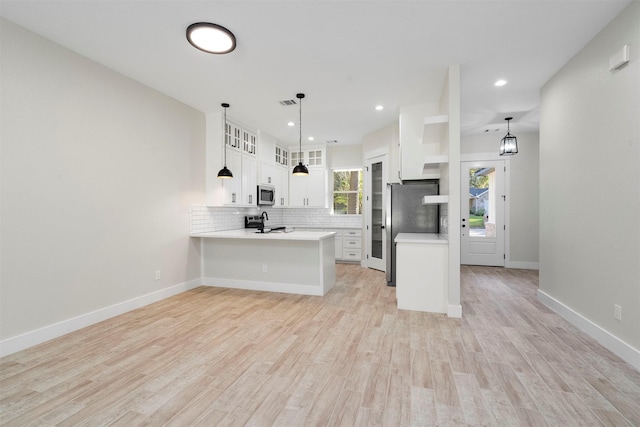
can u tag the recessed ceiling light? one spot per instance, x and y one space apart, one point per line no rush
379 108
500 83
211 38
310 138
291 124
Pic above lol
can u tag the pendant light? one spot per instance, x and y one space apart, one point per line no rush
300 169
508 144
224 172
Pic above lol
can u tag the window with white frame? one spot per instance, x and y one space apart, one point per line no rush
347 192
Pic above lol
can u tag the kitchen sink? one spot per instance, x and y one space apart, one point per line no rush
274 230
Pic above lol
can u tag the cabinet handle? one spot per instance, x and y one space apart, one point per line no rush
250 198
233 197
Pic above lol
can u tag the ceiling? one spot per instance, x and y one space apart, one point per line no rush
346 56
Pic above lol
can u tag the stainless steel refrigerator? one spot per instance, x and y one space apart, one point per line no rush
407 214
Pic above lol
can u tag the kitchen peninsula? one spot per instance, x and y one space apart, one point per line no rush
298 262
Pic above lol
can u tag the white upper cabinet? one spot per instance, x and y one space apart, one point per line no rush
249 141
309 191
241 160
258 158
282 197
268 173
281 156
310 157
249 180
274 167
232 188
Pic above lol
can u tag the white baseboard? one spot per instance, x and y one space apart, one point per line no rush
454 311
523 265
609 341
38 336
251 285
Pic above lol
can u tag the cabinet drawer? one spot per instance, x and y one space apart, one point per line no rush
352 233
352 243
352 255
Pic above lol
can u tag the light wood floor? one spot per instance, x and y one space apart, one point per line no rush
227 357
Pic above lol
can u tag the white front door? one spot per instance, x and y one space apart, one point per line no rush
482 207
376 237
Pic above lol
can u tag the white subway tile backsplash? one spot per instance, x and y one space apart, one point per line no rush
205 219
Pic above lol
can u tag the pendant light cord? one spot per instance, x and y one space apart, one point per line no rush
225 137
300 139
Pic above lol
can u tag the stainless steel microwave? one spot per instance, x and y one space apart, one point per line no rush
266 195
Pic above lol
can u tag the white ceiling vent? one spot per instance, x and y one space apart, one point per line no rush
332 141
287 102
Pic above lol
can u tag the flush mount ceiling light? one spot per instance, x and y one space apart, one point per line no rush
508 144
211 38
224 172
500 83
300 169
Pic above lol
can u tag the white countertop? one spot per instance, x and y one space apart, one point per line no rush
431 238
250 234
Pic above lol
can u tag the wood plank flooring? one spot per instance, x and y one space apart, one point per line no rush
215 356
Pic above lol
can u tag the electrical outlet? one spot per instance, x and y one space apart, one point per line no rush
617 312
264 268
157 274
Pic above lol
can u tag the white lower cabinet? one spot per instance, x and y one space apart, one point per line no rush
351 240
421 278
348 242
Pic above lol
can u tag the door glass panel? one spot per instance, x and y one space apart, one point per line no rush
482 203
376 210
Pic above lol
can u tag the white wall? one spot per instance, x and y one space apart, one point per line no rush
590 184
344 156
383 141
524 191
98 173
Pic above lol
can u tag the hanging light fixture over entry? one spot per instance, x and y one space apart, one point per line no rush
508 144
211 38
300 169
224 172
